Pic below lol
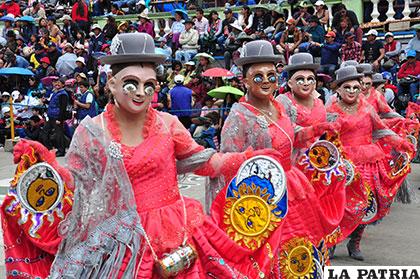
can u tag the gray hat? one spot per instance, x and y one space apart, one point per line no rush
378 79
301 61
347 73
243 37
259 51
349 63
365 68
133 48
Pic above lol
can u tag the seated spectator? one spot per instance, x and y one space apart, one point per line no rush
80 67
351 50
115 10
36 11
10 7
189 43
27 29
414 44
373 51
279 24
5 125
232 44
176 29
342 30
33 128
246 19
302 16
54 31
315 30
207 136
342 13
176 69
226 27
392 54
208 107
110 28
180 101
53 53
8 25
11 41
330 52
260 21
131 4
189 71
197 86
201 24
322 13
97 40
213 32
408 75
69 28
45 69
146 26
99 7
164 47
123 27
85 103
13 60
290 39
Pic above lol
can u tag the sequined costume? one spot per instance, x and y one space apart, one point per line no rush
358 135
124 193
356 193
31 239
313 212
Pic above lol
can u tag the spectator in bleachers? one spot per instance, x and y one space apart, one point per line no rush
290 39
246 18
80 67
302 16
342 13
322 13
36 11
80 15
351 50
414 43
392 54
260 21
45 69
53 53
27 29
201 23
315 30
8 25
11 40
408 76
69 28
373 51
10 7
33 128
180 101
214 30
37 55
53 29
226 27
115 10
232 44
177 28
145 25
85 104
330 52
97 40
131 4
110 28
99 7
188 41
189 71
342 30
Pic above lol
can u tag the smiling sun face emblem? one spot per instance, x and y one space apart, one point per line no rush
297 260
42 194
320 156
248 216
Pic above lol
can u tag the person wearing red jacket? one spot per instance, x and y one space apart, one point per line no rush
80 15
10 7
411 68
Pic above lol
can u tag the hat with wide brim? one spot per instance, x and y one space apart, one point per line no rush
244 37
144 15
349 63
259 51
378 79
365 68
260 6
204 55
347 73
301 61
133 48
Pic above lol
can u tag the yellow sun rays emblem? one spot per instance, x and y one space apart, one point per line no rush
248 216
297 259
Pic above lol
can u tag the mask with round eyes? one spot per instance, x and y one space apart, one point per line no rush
260 78
349 89
130 87
309 80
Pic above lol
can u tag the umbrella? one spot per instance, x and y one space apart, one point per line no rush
15 71
7 17
324 77
27 19
66 64
220 92
203 54
218 72
47 81
183 12
98 54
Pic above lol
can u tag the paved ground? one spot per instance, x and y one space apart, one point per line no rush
395 241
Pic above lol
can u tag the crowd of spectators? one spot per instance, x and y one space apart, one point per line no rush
67 81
